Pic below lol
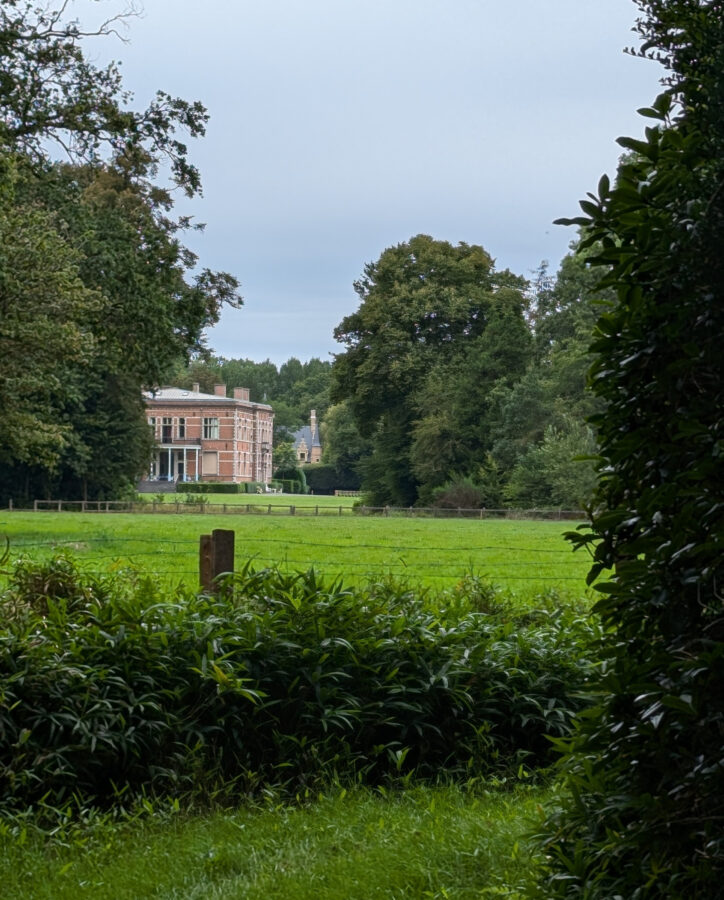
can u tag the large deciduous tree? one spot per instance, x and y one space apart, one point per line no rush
646 818
425 306
94 251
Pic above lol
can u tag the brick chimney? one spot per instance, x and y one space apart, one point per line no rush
220 390
313 422
241 394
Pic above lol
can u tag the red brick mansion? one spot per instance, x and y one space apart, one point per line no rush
209 437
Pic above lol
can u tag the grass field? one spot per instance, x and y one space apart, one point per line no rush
526 557
423 843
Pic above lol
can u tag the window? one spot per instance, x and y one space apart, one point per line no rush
182 428
166 430
210 463
152 424
211 428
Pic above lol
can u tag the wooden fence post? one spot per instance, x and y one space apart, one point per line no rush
223 541
216 557
206 563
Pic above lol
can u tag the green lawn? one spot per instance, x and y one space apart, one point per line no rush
421 843
526 557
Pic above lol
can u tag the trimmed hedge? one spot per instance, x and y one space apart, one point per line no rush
209 487
325 479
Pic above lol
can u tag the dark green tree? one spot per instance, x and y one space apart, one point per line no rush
646 818
43 303
453 433
423 304
342 445
107 226
551 401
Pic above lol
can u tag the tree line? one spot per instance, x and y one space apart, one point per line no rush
459 385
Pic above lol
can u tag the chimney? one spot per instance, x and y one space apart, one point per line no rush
241 394
220 390
313 422
195 387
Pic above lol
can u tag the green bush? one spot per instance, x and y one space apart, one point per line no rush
294 478
209 487
110 687
645 816
325 479
291 487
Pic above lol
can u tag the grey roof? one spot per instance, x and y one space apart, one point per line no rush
305 434
174 394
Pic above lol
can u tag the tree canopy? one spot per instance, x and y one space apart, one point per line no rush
429 311
99 296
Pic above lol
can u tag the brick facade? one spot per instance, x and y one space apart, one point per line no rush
209 437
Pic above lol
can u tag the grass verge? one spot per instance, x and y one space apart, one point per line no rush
422 843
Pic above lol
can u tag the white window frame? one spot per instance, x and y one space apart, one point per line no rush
211 428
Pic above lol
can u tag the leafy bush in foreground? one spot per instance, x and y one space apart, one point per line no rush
109 687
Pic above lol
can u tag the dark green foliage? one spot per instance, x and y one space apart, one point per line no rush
294 480
342 444
325 479
98 296
110 688
645 767
209 487
436 328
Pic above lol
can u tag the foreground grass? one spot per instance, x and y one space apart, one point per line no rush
420 843
526 557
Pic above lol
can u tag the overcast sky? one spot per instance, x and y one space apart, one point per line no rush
341 127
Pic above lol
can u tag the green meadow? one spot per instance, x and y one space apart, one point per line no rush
462 835
524 557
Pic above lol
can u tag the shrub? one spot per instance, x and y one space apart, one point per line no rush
293 477
646 816
285 680
209 487
326 479
461 493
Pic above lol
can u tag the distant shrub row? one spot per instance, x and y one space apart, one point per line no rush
222 487
110 687
325 479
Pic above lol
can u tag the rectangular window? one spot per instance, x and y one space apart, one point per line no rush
210 463
166 430
182 428
211 429
152 424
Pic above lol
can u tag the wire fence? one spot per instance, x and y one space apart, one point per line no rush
190 506
499 563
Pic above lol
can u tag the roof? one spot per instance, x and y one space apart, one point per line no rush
305 434
175 395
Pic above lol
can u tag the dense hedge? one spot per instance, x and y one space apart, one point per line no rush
209 487
646 770
111 687
324 479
